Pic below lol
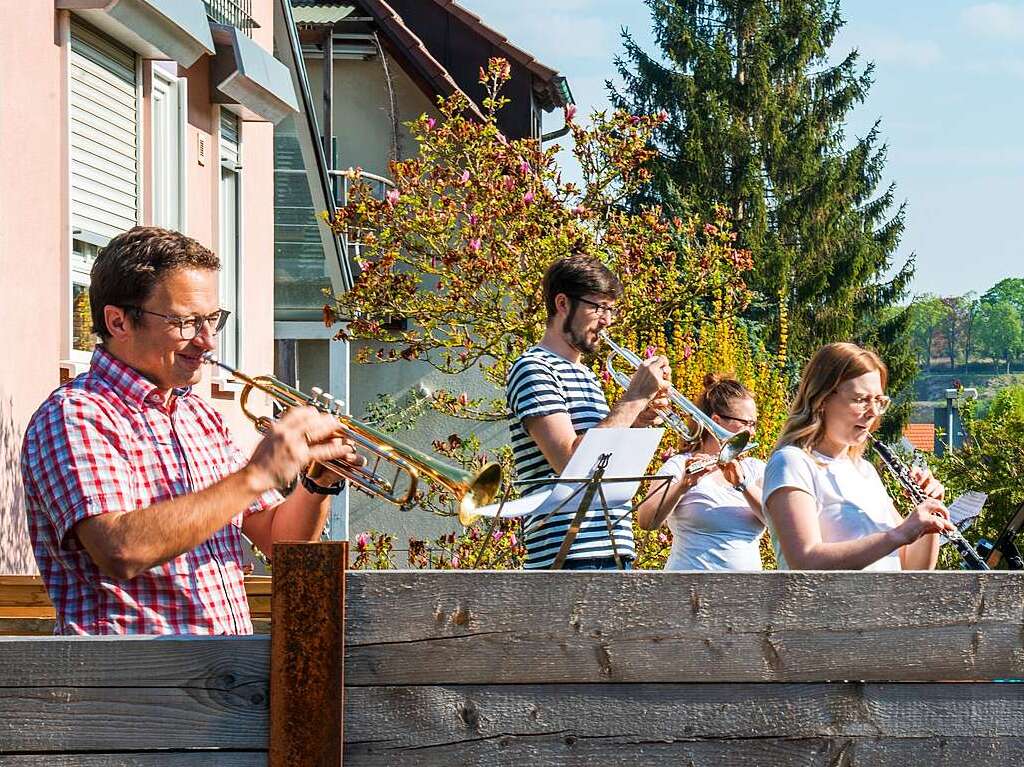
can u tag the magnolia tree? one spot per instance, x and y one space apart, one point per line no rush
459 246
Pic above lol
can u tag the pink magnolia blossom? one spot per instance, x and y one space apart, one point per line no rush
528 198
524 167
512 539
431 123
606 376
474 244
464 178
570 112
474 219
649 352
464 399
362 541
455 560
392 197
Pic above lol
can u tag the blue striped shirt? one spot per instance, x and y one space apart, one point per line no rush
543 383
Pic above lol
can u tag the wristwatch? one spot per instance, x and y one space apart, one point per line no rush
315 470
740 486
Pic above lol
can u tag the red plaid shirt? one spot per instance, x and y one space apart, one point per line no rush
105 442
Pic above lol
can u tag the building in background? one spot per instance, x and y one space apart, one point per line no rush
117 113
369 67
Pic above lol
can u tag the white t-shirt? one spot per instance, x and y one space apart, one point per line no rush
852 501
713 526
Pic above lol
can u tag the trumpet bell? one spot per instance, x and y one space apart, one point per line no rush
480 491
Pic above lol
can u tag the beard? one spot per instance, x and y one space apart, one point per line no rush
578 339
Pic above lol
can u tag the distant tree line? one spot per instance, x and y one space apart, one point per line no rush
959 330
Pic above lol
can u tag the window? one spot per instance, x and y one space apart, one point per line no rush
170 110
103 96
230 209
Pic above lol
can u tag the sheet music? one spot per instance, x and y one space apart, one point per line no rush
631 452
965 509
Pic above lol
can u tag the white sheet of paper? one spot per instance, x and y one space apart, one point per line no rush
631 452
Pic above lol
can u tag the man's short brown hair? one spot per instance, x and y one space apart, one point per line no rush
575 276
133 263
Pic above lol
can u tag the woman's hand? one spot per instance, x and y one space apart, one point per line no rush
928 518
924 479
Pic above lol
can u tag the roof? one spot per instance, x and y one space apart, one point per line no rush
429 68
497 39
327 13
921 436
550 88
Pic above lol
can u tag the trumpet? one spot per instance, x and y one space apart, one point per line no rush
733 443
470 490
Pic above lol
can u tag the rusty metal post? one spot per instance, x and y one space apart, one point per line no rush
307 654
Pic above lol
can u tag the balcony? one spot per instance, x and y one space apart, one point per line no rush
234 13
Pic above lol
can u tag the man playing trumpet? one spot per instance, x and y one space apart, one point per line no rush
554 399
137 497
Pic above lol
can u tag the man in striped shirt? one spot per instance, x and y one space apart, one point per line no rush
554 399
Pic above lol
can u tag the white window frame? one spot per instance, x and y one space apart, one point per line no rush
76 361
231 281
338 365
169 119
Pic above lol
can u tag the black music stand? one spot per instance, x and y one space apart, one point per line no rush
587 490
1005 546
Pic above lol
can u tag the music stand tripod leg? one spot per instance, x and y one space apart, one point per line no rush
588 496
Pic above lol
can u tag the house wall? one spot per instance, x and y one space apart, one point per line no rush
35 239
363 128
33 245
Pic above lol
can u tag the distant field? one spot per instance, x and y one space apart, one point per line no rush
930 388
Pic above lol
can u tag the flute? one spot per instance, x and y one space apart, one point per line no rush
901 472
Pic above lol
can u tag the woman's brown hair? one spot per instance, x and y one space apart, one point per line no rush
717 398
830 366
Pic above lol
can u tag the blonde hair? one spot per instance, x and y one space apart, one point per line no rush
719 392
830 366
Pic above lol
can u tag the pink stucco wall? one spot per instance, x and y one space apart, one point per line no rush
35 240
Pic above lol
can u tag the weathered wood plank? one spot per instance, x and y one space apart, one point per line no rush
569 627
92 693
776 724
24 596
161 759
416 716
558 750
217 662
39 719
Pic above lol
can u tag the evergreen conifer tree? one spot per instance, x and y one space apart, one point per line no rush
756 122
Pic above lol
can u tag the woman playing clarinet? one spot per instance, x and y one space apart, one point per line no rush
825 503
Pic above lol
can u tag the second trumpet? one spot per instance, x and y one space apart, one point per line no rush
733 443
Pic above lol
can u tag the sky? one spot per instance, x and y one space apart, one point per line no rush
948 85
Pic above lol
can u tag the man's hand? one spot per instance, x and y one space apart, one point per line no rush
300 436
650 415
650 380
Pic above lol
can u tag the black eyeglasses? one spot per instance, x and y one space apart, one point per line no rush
746 422
611 311
189 327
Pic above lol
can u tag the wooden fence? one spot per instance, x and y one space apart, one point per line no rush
560 668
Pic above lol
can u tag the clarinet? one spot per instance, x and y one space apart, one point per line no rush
971 558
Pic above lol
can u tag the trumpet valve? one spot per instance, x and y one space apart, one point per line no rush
328 402
316 392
